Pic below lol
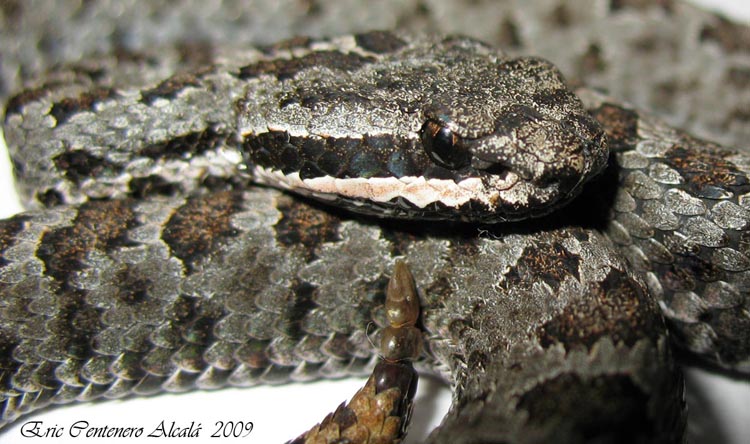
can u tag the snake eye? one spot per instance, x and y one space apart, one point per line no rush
443 146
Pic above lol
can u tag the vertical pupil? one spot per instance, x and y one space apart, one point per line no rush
443 147
443 140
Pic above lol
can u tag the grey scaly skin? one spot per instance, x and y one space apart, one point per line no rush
91 352
685 295
286 314
620 47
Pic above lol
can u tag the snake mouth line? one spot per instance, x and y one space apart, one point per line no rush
418 191
500 198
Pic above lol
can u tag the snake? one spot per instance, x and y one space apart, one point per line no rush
105 298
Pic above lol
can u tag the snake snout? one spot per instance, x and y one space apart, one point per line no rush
533 164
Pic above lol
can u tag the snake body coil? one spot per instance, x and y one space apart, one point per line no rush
104 298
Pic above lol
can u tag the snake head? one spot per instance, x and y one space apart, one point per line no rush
524 145
428 128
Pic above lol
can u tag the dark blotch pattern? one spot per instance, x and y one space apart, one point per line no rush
306 226
592 61
733 37
617 5
621 310
198 226
9 228
196 53
67 107
8 342
739 76
733 329
98 226
706 170
285 69
592 410
137 286
186 145
690 270
141 187
509 35
312 98
49 198
13 10
79 165
16 103
620 125
303 303
172 86
71 330
561 16
551 263
379 42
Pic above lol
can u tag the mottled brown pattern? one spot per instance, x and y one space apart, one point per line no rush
9 228
690 270
617 314
136 286
733 37
15 104
302 225
508 34
708 168
100 225
550 263
284 69
201 224
620 125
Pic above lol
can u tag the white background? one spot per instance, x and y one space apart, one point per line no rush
282 412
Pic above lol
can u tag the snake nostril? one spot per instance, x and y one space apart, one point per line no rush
498 169
493 167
